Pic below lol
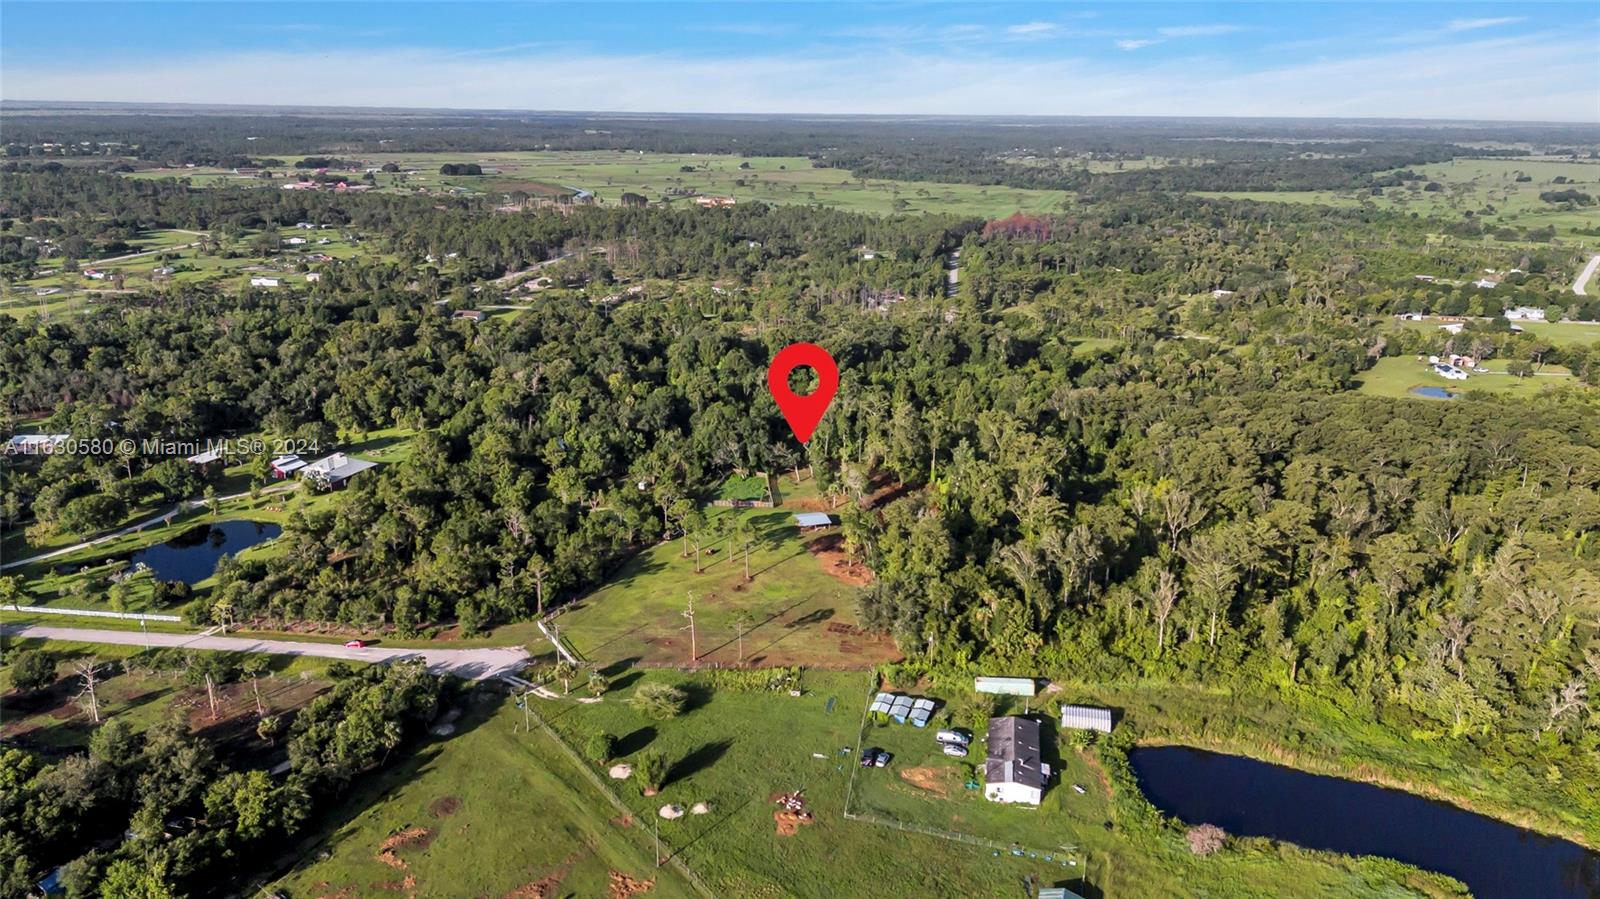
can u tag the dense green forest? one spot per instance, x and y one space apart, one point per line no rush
1127 448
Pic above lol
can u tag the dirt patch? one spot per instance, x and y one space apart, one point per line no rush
623 886
829 552
410 838
623 820
789 823
930 779
407 885
445 806
544 888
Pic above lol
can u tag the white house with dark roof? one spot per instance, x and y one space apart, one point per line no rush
1015 771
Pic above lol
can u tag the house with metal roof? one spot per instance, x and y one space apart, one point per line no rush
1015 770
1084 717
335 470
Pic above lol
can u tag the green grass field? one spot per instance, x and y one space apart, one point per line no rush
1557 333
799 612
51 719
1399 376
501 811
231 265
658 176
736 750
1485 187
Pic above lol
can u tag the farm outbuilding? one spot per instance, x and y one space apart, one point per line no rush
1083 717
813 520
1009 686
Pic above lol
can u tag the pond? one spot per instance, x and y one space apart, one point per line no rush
193 555
1249 798
1433 393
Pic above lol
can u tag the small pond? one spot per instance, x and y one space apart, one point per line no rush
193 555
1433 393
1250 798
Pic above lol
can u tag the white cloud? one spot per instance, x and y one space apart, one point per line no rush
1474 24
1034 29
1198 30
1535 77
1135 44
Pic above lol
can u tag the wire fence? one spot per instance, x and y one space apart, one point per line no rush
600 784
1067 856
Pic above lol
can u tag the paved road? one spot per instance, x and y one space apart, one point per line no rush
473 664
1584 276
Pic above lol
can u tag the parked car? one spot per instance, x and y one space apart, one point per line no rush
882 761
869 756
956 737
955 750
355 644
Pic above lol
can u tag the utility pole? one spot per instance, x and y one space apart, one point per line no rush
658 840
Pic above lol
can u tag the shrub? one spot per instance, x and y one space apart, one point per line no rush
601 748
658 701
32 670
649 769
1205 839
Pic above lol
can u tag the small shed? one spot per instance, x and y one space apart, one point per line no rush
809 520
1057 893
1008 686
1084 717
283 466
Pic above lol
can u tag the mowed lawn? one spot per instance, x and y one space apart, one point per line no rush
799 606
1559 334
1398 376
484 812
737 750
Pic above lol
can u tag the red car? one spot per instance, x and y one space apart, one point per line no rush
355 644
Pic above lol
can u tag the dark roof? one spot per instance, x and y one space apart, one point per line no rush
1014 755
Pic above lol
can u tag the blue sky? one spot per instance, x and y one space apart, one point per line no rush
1428 60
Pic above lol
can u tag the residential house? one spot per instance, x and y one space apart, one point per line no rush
35 444
1525 314
715 202
1485 284
334 471
1221 294
474 315
313 277
1015 770
296 241
264 282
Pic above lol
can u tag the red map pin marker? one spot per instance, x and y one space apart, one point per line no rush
803 412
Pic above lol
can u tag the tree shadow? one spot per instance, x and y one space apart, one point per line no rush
696 696
635 741
697 761
616 668
816 617
625 681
